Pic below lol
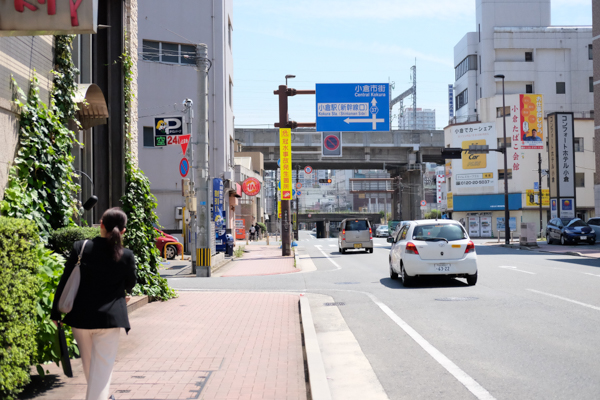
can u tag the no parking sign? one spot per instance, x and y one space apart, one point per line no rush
331 144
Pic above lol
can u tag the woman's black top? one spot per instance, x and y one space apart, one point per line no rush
100 302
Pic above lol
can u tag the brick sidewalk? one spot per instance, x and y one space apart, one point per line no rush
206 346
259 260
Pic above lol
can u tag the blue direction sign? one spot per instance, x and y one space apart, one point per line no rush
353 107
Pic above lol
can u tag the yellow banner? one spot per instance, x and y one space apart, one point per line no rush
473 161
532 121
531 192
285 154
450 201
278 208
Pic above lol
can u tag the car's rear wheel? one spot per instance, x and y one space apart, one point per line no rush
340 249
548 238
563 241
592 241
472 279
393 274
171 252
343 251
407 281
371 250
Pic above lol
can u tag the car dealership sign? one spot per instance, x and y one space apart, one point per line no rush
48 17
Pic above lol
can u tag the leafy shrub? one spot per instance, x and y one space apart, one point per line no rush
433 214
61 240
263 227
19 288
51 267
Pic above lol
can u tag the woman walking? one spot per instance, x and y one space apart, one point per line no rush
99 311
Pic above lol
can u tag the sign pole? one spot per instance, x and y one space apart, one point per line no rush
297 196
191 243
286 244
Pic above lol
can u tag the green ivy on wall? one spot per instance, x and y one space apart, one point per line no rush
40 185
139 204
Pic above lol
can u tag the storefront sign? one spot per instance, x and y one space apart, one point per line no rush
48 17
562 163
475 170
450 200
251 186
238 189
218 204
545 197
285 149
531 121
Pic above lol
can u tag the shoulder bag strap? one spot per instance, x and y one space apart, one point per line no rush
81 252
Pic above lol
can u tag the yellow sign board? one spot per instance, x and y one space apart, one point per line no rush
531 192
473 161
531 121
278 208
488 175
450 201
285 155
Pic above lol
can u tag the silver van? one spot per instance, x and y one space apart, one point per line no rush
355 234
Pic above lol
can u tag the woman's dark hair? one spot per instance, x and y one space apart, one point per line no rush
114 221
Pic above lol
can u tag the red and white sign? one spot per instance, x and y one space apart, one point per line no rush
307 169
298 185
440 179
423 203
309 215
184 140
251 186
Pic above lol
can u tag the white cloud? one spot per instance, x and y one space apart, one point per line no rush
361 9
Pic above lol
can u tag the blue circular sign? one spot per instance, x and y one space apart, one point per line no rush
184 167
331 143
279 162
299 193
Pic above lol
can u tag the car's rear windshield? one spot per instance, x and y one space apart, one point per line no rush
577 222
439 232
357 225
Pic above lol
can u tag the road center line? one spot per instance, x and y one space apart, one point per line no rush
470 383
515 269
566 299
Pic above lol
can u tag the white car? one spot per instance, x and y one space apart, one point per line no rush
432 247
382 230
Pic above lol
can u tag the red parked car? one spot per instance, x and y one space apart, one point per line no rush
173 250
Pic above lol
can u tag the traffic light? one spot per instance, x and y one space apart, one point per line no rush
532 198
324 180
452 153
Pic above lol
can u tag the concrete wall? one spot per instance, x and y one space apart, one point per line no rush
19 57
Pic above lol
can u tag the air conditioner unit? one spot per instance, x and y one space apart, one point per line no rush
228 175
178 213
228 185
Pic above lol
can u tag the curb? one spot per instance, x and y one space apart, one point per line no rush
538 250
317 379
137 302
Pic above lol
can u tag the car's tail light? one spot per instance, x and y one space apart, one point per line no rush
411 248
343 234
370 234
470 247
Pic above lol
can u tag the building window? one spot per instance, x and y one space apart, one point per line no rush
579 179
462 99
590 52
148 136
591 84
560 88
529 56
501 174
578 144
172 53
499 111
501 142
529 88
469 63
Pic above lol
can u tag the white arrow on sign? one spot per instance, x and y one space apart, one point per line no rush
374 120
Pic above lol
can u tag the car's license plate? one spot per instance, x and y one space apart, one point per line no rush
357 245
441 267
583 237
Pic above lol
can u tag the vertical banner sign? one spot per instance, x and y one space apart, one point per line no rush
515 154
279 209
531 121
475 170
451 100
450 200
218 204
562 164
285 151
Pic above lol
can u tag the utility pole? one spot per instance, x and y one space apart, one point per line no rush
540 192
190 200
202 261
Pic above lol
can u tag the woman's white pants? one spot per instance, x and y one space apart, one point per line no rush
98 349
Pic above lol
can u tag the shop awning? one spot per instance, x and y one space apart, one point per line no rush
92 106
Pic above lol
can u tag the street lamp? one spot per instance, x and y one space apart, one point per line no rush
506 211
290 77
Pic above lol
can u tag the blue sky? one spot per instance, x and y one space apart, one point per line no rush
352 41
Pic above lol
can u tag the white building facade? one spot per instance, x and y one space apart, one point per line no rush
515 39
425 119
168 75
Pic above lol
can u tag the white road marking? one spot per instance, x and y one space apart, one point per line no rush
332 245
515 269
337 266
470 383
566 299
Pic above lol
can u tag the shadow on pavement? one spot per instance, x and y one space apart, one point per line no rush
588 262
425 282
40 385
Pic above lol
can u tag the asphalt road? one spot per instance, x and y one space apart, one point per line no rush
529 329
